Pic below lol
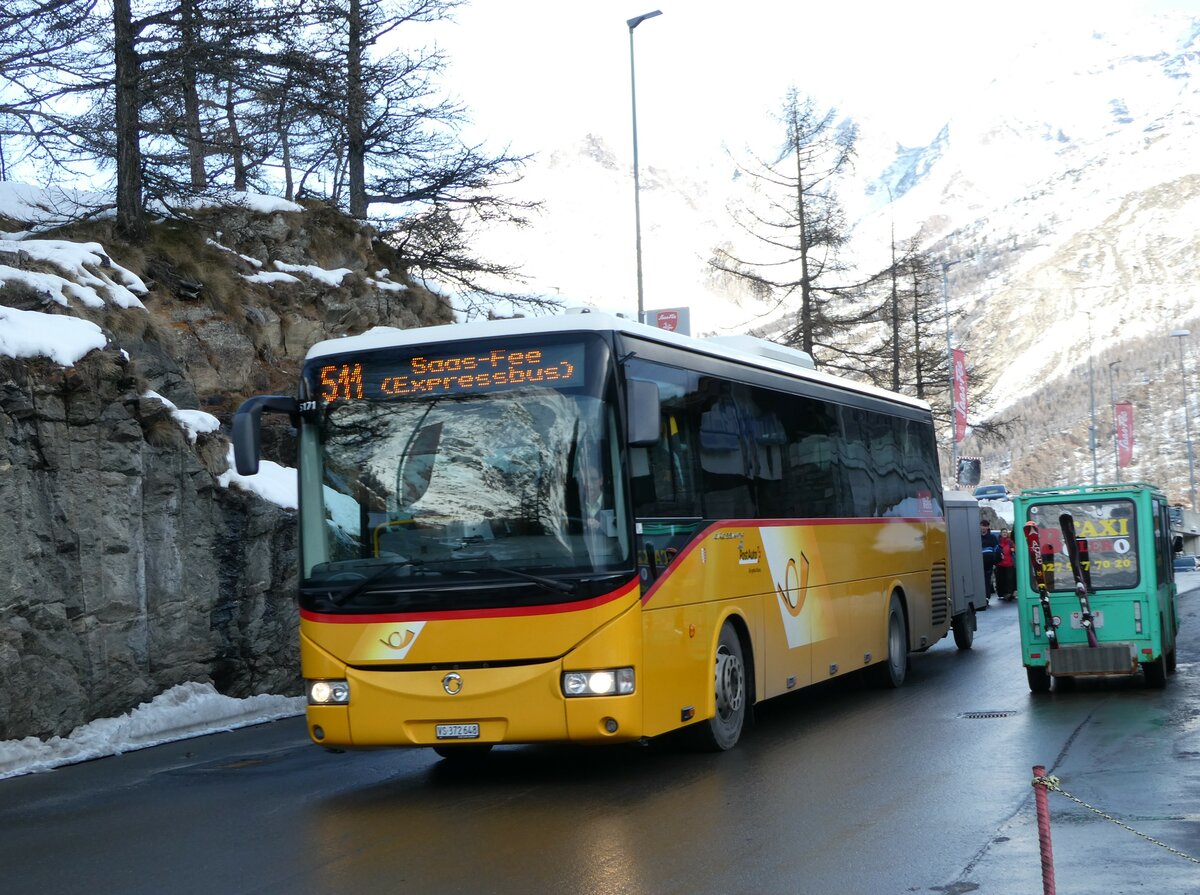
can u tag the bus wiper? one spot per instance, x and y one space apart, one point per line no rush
382 572
549 583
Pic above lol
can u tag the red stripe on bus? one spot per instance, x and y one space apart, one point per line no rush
503 612
775 523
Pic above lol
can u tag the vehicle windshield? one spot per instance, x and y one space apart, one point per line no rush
514 482
1107 536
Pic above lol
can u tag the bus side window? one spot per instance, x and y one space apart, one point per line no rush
640 476
663 479
662 475
725 459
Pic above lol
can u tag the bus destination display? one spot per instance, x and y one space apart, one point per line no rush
559 366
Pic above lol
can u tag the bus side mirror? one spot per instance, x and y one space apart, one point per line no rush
247 428
645 415
1177 544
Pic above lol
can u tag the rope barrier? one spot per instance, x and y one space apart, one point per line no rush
1049 783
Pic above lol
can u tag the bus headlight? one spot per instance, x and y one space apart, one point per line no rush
605 682
328 692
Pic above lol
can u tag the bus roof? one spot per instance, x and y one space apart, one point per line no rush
596 321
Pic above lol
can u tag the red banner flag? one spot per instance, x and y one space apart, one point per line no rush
960 394
1123 413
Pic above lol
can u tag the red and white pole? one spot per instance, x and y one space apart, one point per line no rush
1043 822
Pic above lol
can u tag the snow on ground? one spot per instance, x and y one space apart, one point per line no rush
87 274
65 340
193 422
187 710
272 482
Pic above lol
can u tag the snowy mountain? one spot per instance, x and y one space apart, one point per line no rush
1065 192
1068 198
1065 197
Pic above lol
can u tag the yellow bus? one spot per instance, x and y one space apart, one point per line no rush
583 529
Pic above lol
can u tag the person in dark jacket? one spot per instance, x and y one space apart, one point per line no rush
991 553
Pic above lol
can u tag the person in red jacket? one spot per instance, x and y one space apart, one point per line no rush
1006 571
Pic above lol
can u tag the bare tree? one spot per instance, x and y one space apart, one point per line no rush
182 97
798 225
48 59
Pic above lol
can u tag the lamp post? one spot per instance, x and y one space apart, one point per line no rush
946 265
1112 406
637 206
1182 334
1092 393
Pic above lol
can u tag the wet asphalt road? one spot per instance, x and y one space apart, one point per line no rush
843 789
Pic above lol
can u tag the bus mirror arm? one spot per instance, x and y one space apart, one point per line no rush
644 412
247 428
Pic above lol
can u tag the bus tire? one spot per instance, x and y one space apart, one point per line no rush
1038 677
964 628
891 672
1156 672
1171 661
724 728
464 753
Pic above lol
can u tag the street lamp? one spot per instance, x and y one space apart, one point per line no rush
637 207
946 265
1112 405
1092 393
1182 334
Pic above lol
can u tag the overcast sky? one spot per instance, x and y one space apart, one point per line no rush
541 73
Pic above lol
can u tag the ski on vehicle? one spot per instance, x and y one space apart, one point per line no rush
1036 565
1067 523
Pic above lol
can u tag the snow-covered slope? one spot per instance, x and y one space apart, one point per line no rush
1064 192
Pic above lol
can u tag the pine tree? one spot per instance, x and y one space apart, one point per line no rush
797 225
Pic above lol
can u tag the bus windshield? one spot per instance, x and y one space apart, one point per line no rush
518 477
1107 536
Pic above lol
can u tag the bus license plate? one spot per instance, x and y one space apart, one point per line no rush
457 731
1097 619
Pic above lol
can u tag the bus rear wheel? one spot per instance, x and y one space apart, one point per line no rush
724 728
893 670
964 628
1156 672
1038 677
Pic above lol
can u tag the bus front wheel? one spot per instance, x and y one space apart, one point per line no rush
724 728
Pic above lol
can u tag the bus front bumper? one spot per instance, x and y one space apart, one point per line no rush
517 704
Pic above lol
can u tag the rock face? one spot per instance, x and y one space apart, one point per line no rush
128 568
